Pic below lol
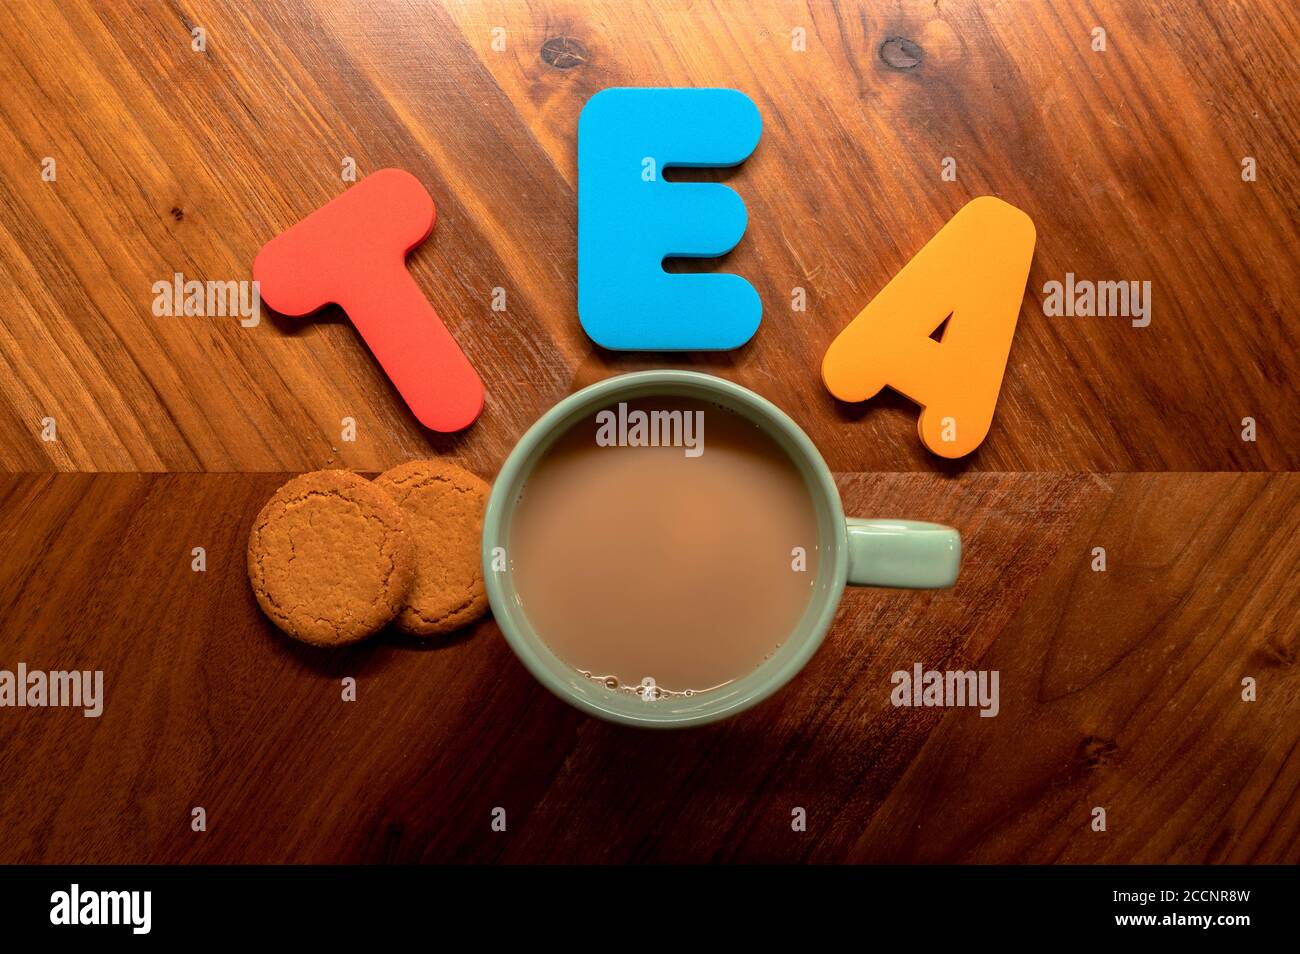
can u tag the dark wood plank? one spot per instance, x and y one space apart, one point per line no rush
1119 689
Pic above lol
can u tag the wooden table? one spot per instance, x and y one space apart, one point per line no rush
1121 689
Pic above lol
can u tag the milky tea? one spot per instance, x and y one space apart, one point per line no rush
664 546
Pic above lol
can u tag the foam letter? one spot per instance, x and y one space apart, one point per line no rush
629 223
973 274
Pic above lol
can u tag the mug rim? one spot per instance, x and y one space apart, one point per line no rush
524 456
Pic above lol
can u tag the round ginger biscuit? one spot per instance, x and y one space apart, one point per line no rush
444 507
330 558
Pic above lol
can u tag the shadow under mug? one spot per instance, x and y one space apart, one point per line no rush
891 553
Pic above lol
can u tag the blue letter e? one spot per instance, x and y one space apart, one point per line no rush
630 219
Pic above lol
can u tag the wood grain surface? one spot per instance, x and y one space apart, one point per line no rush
171 160
1119 689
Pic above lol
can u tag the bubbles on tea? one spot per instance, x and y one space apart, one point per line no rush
647 690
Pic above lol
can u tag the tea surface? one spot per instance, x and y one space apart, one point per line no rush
678 563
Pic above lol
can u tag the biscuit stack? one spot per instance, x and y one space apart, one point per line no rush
333 558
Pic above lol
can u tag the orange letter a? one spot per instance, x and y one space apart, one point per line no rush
973 274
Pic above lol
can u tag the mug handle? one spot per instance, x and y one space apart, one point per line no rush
903 553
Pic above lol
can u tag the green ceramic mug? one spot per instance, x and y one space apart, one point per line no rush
893 553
